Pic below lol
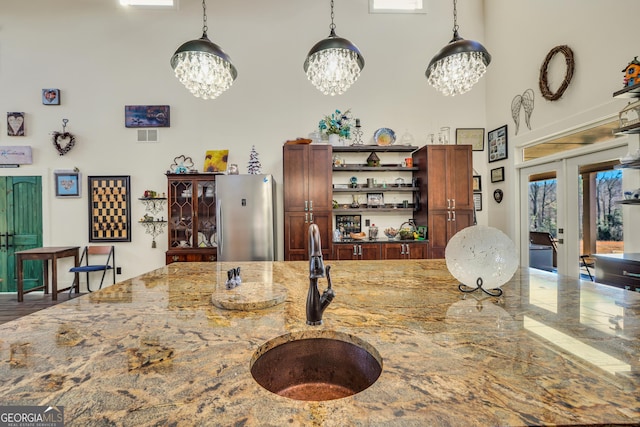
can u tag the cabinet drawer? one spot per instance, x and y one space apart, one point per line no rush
195 255
620 273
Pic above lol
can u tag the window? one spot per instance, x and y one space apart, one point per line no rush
397 6
155 4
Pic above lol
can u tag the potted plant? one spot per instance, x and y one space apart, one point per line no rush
337 126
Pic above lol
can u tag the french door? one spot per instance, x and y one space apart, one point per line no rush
20 228
542 192
565 226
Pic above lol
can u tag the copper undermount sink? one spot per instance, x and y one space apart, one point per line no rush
316 365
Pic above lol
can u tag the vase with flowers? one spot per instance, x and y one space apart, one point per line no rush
337 126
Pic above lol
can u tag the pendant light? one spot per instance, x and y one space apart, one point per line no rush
202 66
333 64
459 65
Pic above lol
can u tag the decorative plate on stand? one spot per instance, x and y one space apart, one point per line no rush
384 136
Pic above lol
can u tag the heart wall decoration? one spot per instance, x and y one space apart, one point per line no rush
15 124
63 141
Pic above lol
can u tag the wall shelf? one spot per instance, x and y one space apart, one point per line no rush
376 148
628 92
388 188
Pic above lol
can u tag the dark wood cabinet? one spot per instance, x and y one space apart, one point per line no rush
414 250
445 179
296 232
191 227
307 198
357 251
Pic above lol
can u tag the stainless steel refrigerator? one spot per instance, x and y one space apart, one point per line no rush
246 217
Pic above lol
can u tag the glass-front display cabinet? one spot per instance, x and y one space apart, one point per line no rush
191 226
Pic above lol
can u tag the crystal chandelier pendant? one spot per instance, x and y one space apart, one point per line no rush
202 66
459 65
205 75
456 74
333 64
333 71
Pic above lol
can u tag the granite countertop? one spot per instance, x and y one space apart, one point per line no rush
154 350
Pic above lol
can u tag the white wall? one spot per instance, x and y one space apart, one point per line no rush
520 34
103 57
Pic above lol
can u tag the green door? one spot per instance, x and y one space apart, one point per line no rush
20 229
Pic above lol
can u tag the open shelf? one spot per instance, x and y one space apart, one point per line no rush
628 92
376 148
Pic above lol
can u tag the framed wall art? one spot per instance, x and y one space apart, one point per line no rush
51 96
15 124
67 183
497 174
147 116
109 209
471 136
477 183
477 201
15 155
216 160
498 149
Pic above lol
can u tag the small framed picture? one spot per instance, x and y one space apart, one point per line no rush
67 183
477 201
147 116
375 200
498 149
51 96
15 124
471 136
422 232
497 174
477 183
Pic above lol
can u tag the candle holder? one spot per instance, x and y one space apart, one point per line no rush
357 134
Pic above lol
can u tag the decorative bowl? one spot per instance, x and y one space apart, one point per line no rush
358 236
391 233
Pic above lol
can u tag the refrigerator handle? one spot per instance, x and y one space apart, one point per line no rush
219 225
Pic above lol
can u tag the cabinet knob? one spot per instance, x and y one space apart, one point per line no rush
454 215
453 203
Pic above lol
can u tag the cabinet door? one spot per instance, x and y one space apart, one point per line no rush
296 234
369 251
295 177
345 252
437 175
438 233
459 181
320 178
416 251
393 251
463 219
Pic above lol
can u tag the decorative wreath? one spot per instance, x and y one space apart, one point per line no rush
57 136
544 84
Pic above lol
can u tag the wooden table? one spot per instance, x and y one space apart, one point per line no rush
45 254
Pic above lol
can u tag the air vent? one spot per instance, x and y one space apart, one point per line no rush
148 135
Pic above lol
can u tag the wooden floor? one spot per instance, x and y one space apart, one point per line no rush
11 309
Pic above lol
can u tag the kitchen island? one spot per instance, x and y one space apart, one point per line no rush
154 350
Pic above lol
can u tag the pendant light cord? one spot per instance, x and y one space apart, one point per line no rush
332 27
204 18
